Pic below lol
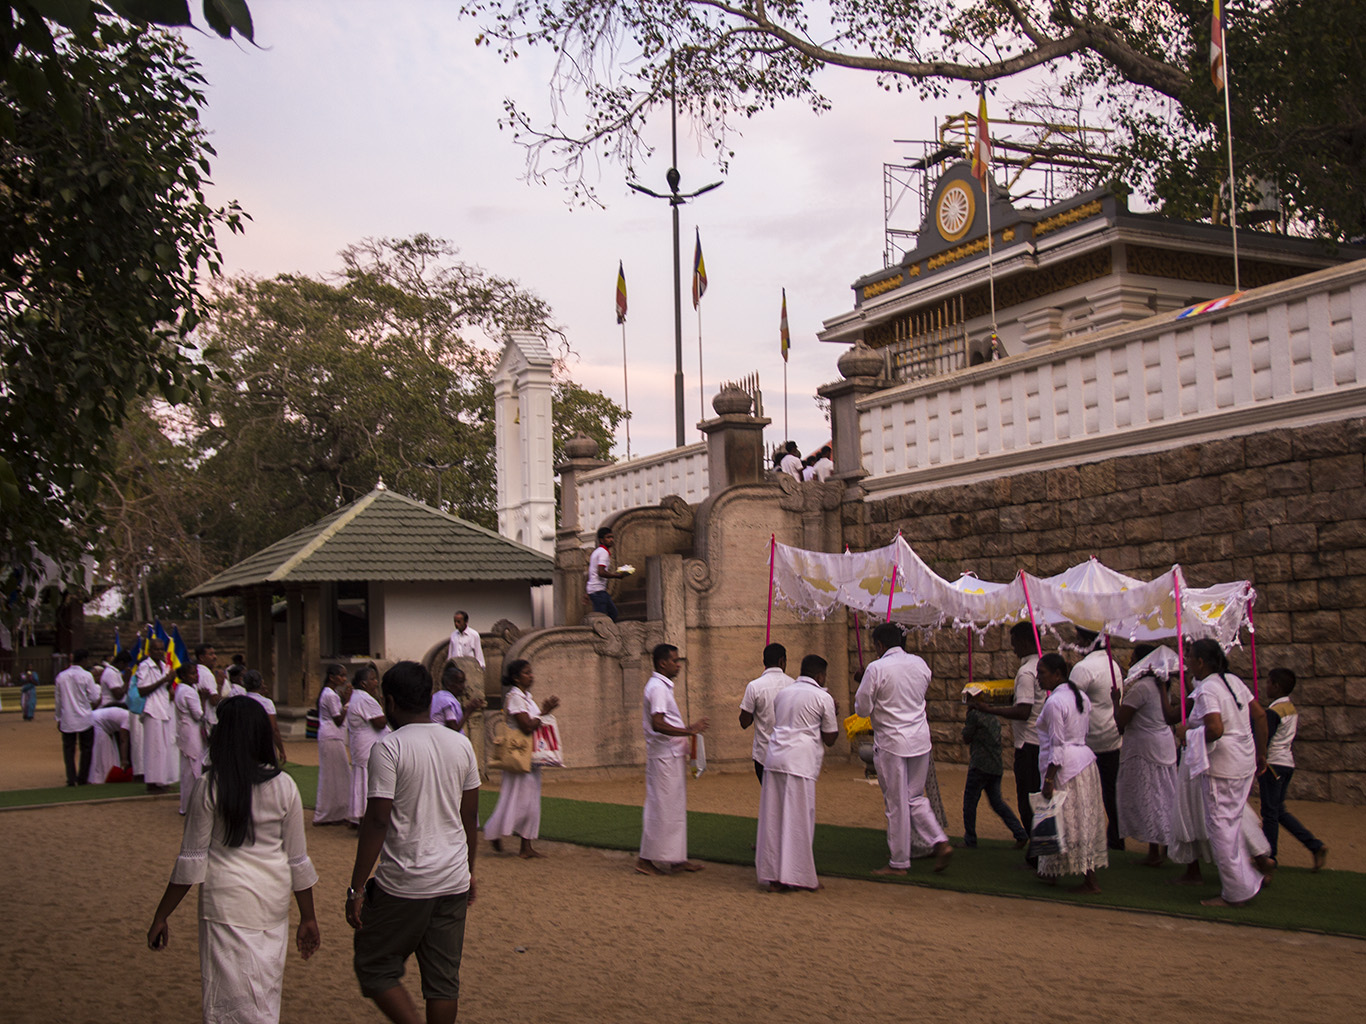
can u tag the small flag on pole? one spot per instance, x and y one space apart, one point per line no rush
1217 71
782 328
981 144
621 294
699 272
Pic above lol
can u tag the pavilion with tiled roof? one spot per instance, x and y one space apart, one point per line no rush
379 578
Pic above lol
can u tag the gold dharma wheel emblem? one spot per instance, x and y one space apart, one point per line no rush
955 212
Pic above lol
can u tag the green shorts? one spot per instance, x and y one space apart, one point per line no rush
394 927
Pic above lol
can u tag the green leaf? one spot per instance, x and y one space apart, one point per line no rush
157 12
234 12
72 14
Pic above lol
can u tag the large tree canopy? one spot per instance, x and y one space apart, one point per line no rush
105 233
1296 67
323 387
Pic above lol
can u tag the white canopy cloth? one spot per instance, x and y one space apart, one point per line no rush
1090 595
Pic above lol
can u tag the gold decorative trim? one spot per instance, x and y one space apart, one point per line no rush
1062 220
1008 235
885 285
955 212
957 253
915 270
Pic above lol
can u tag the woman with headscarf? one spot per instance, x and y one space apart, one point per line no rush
1146 788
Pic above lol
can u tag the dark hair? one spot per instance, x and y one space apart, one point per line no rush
464 613
333 669
79 655
778 457
451 674
200 649
826 451
660 652
889 635
241 756
1209 651
1055 662
409 685
813 665
603 533
791 446
252 681
358 676
1022 630
774 655
513 670
122 658
1086 637
1284 680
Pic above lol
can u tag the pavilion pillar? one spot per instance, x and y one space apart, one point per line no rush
313 651
259 633
290 685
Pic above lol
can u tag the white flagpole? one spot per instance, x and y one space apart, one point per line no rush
701 385
1232 194
626 390
786 435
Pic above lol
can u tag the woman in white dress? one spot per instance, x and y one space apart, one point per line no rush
1146 787
244 846
333 803
366 725
1068 766
519 800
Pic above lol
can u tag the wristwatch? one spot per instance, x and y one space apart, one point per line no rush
351 893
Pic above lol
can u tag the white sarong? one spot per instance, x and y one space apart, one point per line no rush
664 819
333 802
519 807
787 829
242 971
1225 804
160 756
903 782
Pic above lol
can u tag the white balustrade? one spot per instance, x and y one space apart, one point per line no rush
644 481
1285 353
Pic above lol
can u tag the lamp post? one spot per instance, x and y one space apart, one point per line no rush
439 468
676 199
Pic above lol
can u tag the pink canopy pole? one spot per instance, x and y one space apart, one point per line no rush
772 558
1180 644
858 633
1033 623
1252 641
890 592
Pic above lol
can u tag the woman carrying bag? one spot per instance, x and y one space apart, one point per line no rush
519 800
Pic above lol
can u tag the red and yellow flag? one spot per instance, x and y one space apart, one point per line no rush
782 328
699 272
621 293
1218 73
981 144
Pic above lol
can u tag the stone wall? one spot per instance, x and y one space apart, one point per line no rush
1283 508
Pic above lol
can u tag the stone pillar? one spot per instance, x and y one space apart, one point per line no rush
259 633
1120 302
571 561
1041 326
735 441
290 685
313 651
862 368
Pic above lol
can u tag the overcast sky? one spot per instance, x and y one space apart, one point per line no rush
363 118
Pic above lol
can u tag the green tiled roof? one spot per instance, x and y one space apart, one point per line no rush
385 536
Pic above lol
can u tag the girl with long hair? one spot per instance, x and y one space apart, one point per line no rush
244 846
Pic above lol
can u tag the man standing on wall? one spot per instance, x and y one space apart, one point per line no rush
892 696
600 571
664 829
1097 676
465 642
756 706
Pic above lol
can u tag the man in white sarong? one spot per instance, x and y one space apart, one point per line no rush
160 765
189 730
465 642
756 706
805 717
1097 676
333 805
664 830
112 748
892 696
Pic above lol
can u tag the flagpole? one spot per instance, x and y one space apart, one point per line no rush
786 435
626 390
1232 195
701 384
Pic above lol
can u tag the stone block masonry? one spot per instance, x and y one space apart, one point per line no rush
1283 508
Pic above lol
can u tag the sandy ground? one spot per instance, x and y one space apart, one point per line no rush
577 937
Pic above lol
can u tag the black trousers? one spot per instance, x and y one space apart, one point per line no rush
759 770
78 776
1027 780
1108 766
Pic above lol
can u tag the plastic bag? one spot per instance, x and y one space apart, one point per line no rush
546 750
1045 838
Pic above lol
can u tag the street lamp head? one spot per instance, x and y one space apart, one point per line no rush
673 178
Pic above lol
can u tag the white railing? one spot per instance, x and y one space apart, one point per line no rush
643 481
1286 352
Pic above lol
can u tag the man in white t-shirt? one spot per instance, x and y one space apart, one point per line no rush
824 466
756 706
1097 676
112 684
806 720
75 696
791 463
208 682
600 571
465 642
421 821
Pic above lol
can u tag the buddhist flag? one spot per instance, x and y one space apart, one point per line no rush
1217 72
621 293
699 272
782 328
981 144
